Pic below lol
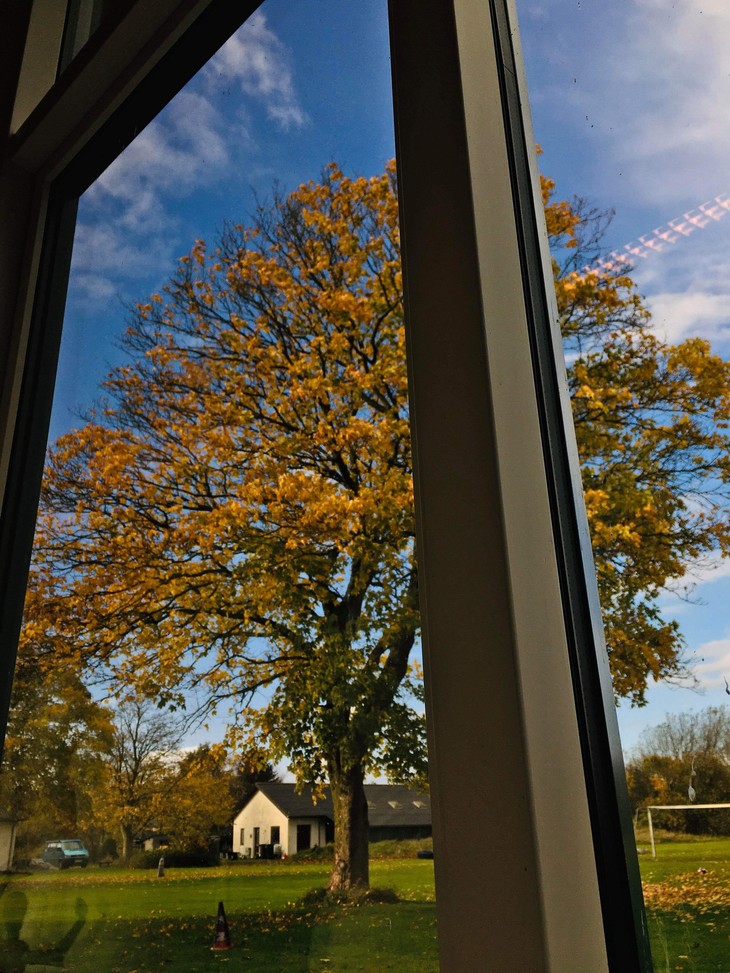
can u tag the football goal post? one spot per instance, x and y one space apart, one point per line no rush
674 807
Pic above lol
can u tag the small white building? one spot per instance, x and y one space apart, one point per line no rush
279 821
8 827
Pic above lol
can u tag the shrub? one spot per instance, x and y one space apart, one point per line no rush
320 853
355 896
108 849
400 848
176 857
393 848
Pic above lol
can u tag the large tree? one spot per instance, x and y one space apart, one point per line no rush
237 515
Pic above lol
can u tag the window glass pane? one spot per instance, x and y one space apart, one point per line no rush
222 599
58 30
83 19
628 104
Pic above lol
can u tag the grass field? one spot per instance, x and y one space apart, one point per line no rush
117 921
124 921
687 895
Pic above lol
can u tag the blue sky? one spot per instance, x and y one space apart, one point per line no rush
294 89
630 102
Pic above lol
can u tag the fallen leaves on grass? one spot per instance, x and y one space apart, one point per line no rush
698 892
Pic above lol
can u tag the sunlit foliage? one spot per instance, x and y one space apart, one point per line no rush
238 514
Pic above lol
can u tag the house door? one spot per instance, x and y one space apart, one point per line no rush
304 837
256 841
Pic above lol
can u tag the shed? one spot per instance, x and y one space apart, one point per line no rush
8 826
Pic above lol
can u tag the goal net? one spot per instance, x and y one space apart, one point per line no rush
674 807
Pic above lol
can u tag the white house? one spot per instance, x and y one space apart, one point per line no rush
279 821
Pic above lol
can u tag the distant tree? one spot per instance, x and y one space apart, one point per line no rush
197 801
137 771
687 750
56 737
244 776
699 733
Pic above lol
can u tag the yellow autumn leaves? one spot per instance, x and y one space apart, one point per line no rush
697 892
249 479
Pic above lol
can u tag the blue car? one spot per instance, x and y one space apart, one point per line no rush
66 852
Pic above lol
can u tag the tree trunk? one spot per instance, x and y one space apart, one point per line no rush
127 841
351 865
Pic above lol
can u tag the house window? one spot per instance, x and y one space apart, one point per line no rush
275 834
304 837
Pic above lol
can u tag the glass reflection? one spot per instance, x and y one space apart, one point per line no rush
629 105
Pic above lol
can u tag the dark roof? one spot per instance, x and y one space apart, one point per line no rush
294 805
389 805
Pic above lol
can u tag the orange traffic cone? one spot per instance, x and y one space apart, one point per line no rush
222 936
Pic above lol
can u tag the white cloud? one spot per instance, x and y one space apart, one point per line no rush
713 664
711 568
669 98
257 60
109 252
687 287
677 316
640 91
100 248
183 148
97 288
694 588
128 225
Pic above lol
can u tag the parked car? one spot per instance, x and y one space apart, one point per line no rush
66 852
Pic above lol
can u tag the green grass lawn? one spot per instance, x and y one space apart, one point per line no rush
123 921
688 909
